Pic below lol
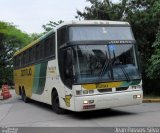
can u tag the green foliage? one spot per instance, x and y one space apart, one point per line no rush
153 70
51 25
10 32
11 39
47 27
35 36
103 10
144 17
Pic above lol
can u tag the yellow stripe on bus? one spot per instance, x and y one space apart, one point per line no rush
101 85
24 78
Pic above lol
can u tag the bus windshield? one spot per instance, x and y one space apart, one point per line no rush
101 63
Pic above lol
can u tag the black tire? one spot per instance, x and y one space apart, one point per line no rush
24 97
55 103
20 92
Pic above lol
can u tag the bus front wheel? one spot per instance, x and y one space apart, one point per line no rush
55 103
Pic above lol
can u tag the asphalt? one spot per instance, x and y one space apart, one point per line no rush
15 113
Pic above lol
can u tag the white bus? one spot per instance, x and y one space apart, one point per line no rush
81 66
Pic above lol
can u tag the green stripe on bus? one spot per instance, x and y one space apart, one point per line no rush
128 83
39 78
135 82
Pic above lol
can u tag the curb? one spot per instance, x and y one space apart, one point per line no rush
151 100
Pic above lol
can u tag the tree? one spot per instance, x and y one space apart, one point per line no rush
51 25
144 17
11 39
153 70
104 10
35 36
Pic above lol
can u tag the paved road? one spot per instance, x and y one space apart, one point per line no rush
14 112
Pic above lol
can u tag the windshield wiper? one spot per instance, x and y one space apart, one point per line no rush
123 70
106 65
125 73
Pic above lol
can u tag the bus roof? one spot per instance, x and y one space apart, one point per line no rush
84 22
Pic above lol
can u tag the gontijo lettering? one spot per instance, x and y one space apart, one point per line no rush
26 72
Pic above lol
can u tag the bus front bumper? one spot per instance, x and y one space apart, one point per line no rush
104 101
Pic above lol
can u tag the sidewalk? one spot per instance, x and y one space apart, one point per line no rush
151 100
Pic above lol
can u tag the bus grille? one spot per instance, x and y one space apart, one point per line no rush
121 88
105 90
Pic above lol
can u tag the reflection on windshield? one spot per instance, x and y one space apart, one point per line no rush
101 63
91 62
124 63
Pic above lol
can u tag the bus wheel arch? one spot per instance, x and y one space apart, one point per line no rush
55 102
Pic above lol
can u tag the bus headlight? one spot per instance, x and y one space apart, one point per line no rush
85 102
88 102
137 96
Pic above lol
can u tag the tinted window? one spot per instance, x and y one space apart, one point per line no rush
41 50
30 55
27 57
62 36
49 46
52 47
37 52
66 66
93 33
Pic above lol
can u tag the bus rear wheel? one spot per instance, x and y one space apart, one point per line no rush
55 103
24 97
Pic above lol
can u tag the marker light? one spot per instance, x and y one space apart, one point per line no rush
85 91
91 101
133 87
137 87
91 91
78 92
